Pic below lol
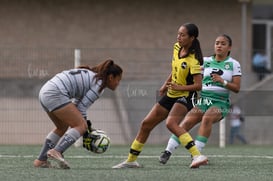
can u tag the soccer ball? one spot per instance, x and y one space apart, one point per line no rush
102 143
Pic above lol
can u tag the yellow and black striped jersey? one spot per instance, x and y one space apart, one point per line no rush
183 70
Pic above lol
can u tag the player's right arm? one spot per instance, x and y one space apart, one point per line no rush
164 87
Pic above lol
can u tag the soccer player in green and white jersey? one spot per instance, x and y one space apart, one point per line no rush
221 74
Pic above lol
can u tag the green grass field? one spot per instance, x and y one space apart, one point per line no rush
251 163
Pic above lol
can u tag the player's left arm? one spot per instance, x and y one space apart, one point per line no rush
234 85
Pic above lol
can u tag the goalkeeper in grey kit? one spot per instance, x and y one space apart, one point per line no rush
65 98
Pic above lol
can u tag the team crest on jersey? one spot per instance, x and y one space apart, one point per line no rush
184 65
227 66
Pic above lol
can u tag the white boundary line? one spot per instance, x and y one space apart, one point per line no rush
143 156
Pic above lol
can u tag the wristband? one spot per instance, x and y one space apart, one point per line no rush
225 83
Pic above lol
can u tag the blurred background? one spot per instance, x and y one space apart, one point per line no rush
40 38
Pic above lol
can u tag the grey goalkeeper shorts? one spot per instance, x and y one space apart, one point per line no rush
51 98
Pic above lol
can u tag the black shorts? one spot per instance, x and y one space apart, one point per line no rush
168 102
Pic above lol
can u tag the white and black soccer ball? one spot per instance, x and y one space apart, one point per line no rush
101 143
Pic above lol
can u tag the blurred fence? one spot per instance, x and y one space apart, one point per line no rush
24 70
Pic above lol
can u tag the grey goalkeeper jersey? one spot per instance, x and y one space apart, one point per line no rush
76 85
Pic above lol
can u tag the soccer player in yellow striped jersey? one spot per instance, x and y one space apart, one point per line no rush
221 74
176 100
183 70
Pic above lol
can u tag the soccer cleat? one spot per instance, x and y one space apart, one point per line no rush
165 157
42 164
198 160
126 164
56 156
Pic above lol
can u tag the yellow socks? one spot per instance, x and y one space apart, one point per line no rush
187 141
135 150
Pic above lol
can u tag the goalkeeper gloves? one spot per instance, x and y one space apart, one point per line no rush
88 138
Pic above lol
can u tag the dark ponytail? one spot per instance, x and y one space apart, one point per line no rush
195 47
102 70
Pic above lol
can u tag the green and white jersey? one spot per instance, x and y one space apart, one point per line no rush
226 69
